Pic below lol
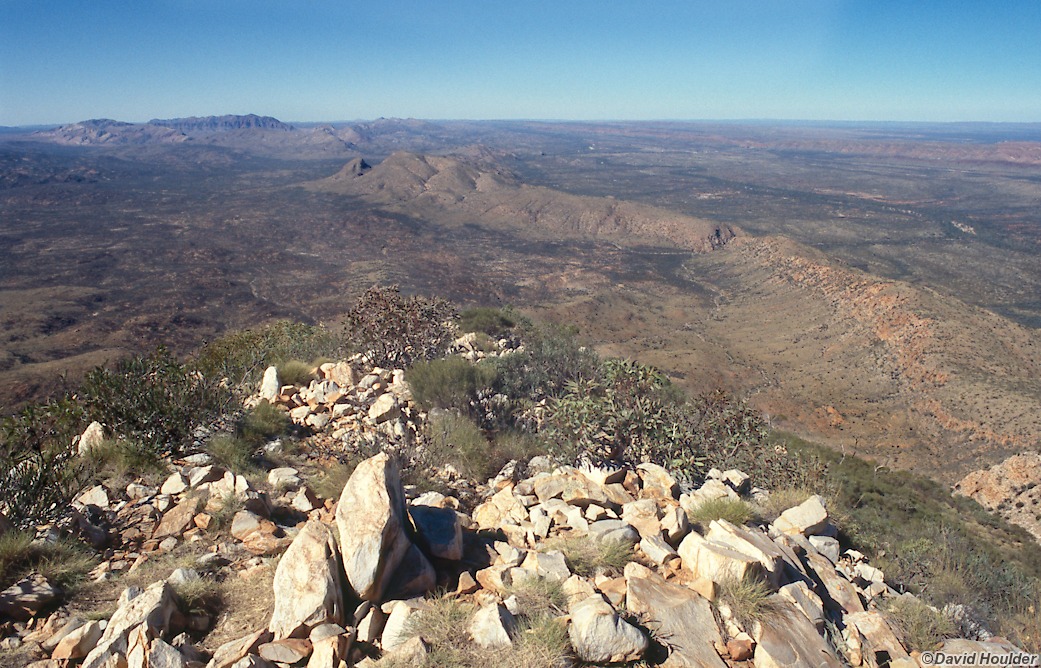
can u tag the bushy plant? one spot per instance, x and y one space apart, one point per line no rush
153 400
232 452
455 439
39 471
63 562
242 357
748 599
552 357
396 331
587 556
450 382
491 321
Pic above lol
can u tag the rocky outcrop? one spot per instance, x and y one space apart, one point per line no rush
1011 488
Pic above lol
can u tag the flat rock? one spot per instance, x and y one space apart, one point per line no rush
786 639
682 616
24 599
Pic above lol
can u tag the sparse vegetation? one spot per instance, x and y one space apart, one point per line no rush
919 627
455 439
64 563
747 598
202 595
780 500
735 511
587 556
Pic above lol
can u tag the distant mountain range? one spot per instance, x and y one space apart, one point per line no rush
226 123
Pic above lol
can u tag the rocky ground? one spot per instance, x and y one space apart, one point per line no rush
542 565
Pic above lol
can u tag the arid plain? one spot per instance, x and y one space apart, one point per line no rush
875 288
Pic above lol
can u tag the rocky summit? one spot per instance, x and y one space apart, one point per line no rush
542 565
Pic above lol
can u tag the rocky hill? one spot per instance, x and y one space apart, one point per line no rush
207 564
454 189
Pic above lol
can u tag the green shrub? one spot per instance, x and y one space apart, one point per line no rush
395 331
919 627
295 372
734 511
39 470
242 357
748 599
451 382
153 400
233 453
551 358
491 321
262 423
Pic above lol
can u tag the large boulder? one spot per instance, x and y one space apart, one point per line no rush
25 598
372 519
807 518
91 438
269 386
308 585
599 635
439 531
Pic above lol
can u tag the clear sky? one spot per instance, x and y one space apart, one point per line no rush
304 60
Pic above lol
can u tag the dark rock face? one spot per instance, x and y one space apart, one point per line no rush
206 124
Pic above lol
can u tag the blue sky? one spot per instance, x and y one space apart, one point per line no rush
303 60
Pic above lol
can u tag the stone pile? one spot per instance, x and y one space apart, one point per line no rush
352 577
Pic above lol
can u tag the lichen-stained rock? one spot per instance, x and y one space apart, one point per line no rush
753 543
151 608
679 614
439 531
308 584
786 639
807 518
414 576
371 518
91 438
599 635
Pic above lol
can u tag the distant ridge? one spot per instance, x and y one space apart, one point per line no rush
224 123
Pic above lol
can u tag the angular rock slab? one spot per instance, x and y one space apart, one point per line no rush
308 584
599 635
151 608
439 531
786 639
679 616
371 518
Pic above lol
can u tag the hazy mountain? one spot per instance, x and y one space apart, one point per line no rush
211 124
